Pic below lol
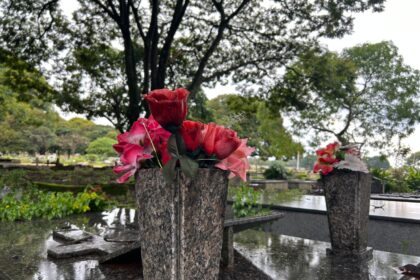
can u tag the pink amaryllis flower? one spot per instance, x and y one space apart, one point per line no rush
237 162
130 158
138 144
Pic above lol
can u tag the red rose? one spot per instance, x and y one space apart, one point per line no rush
220 141
324 168
169 108
165 156
191 132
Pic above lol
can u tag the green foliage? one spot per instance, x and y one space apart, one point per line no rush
250 117
405 179
102 147
274 139
276 171
365 94
25 202
15 179
253 41
412 178
378 162
38 204
414 159
245 202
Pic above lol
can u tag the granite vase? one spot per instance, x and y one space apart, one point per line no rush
347 197
181 223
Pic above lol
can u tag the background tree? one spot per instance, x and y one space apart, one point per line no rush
365 95
102 146
379 162
251 118
182 42
414 159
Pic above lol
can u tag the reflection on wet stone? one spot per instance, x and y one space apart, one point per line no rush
290 258
345 269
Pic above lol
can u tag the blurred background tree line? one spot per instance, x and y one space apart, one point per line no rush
99 60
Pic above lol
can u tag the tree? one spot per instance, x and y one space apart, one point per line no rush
414 159
181 42
275 140
251 118
102 146
378 162
365 95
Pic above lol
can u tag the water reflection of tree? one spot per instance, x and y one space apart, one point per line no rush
293 258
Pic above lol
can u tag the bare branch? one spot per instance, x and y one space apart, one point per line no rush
179 12
138 21
115 17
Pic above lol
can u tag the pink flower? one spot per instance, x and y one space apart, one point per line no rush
237 162
219 141
326 158
324 168
135 146
130 158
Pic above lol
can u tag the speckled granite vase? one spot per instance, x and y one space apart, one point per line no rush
347 196
181 224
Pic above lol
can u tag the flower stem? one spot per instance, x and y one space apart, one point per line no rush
153 146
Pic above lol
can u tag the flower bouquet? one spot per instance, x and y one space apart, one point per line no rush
346 183
182 170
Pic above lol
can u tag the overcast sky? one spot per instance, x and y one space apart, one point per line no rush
400 23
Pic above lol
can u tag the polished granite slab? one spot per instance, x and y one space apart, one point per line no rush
383 208
23 254
290 258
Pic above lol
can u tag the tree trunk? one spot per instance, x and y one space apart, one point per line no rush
130 67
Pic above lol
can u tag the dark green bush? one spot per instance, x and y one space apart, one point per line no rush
276 171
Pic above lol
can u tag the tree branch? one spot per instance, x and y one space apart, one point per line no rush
224 22
138 21
179 13
347 125
153 38
114 16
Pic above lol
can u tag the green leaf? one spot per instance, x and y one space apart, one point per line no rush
169 170
176 145
188 166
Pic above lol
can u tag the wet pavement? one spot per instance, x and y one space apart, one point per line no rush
23 254
396 209
289 258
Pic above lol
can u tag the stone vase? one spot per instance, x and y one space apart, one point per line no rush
181 224
347 196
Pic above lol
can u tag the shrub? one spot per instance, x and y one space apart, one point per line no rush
34 203
102 146
276 171
245 202
412 178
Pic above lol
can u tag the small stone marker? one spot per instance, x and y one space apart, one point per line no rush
77 243
124 240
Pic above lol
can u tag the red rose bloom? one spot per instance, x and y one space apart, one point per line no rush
169 108
220 141
324 168
191 132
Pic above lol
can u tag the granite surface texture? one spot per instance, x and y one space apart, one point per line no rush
347 197
181 224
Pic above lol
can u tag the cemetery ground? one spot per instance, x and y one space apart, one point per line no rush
292 247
